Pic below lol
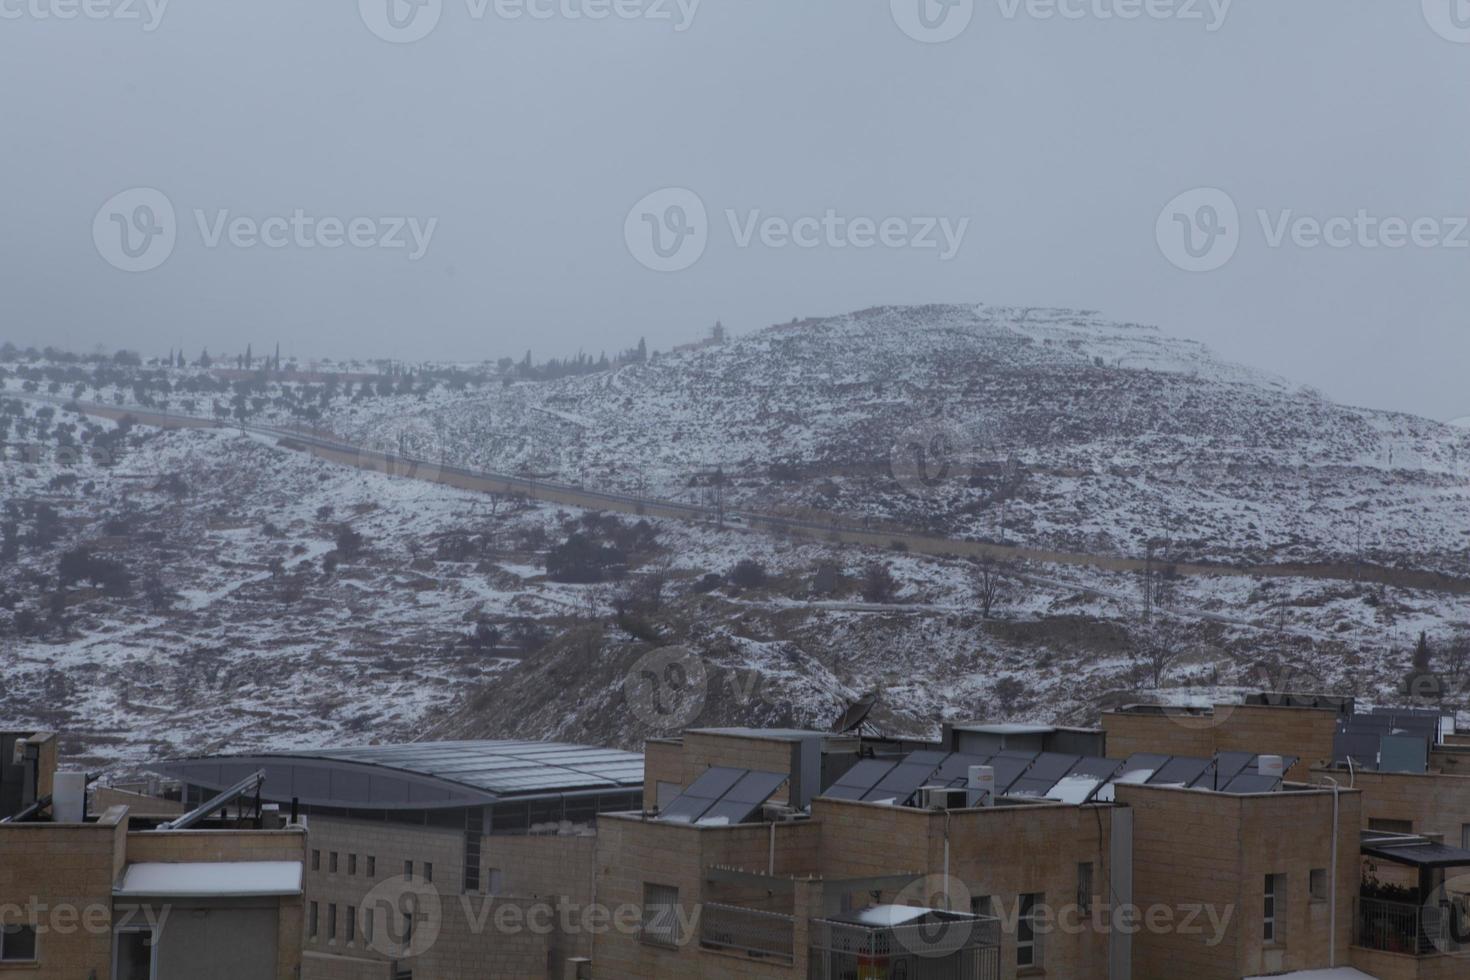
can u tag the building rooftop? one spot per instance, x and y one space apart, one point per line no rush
423 775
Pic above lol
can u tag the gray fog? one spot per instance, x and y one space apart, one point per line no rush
1283 181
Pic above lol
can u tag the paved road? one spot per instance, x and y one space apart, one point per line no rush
347 454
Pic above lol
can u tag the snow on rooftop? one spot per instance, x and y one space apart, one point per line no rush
223 879
887 916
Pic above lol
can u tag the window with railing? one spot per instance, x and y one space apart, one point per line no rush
660 915
757 934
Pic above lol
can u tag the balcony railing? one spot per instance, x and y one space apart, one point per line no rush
758 934
1414 930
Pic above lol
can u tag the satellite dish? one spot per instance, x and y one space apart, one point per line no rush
856 714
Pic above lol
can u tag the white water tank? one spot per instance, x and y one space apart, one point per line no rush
981 786
69 797
1272 766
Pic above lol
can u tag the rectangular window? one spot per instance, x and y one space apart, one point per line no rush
1465 836
1392 826
316 860
311 921
372 866
17 944
351 923
496 882
472 840
367 926
134 955
352 864
979 904
660 915
1274 930
1084 887
1319 884
332 863
428 870
332 922
1028 941
408 869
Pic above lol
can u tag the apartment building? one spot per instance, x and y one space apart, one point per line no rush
113 898
437 860
999 852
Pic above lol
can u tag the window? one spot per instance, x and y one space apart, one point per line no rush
17 944
429 871
367 926
332 922
332 863
408 869
1392 826
472 840
1028 942
979 904
1319 884
660 915
316 860
1084 887
1274 930
352 864
351 923
311 920
1465 836
372 865
497 882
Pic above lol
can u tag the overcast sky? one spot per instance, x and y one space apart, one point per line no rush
530 140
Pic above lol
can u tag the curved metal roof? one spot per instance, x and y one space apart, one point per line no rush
423 775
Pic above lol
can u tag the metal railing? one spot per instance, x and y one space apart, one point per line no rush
1414 930
763 935
957 950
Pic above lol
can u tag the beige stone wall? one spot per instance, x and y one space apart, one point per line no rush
539 875
175 846
1433 803
663 762
1262 729
1001 852
632 853
56 866
1213 850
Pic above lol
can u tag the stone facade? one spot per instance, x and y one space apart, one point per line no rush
1306 733
1215 850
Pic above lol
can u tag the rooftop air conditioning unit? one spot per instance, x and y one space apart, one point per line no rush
943 797
780 813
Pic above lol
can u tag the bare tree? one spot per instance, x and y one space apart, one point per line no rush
1159 647
989 585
